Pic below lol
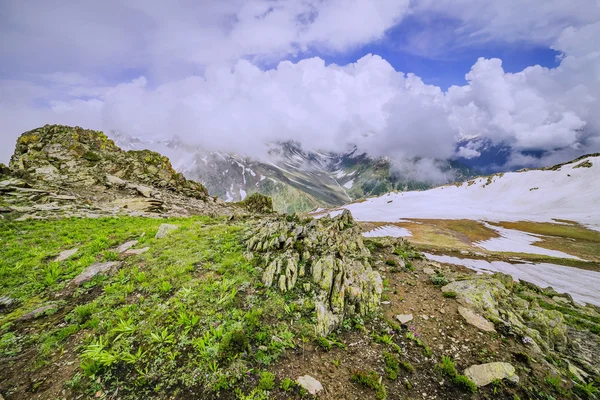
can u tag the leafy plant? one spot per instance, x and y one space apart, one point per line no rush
267 381
371 380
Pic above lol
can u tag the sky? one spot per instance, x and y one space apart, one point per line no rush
434 79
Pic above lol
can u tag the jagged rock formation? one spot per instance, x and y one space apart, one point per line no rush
515 310
77 172
326 258
257 203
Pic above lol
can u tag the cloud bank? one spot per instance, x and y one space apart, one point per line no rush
204 78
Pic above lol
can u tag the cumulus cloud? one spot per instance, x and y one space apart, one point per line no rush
229 101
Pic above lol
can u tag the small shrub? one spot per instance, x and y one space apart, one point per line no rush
450 295
324 343
588 391
392 367
371 380
405 365
439 280
287 384
391 262
448 367
91 156
267 381
233 343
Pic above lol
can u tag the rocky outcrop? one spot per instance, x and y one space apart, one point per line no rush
66 155
325 258
61 171
257 203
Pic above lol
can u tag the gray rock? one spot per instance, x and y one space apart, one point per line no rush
64 255
144 190
484 374
135 252
404 318
476 320
90 272
37 312
126 246
310 384
6 302
164 230
113 180
429 271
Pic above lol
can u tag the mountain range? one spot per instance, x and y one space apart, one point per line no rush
296 179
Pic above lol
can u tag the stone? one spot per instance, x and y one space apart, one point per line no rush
484 374
164 230
90 272
38 312
579 373
135 252
139 204
126 246
113 180
64 255
6 302
144 190
404 318
310 384
429 271
476 320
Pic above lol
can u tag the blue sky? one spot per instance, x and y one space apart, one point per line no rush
519 75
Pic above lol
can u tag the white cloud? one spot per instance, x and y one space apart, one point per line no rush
212 91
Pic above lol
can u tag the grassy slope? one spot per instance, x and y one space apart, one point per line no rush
161 322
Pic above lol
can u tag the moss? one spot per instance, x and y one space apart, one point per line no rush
371 380
392 366
234 343
91 156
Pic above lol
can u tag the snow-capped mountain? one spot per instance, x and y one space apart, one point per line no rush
296 179
569 191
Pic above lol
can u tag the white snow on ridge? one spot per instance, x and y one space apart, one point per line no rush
348 185
579 283
514 241
536 195
388 230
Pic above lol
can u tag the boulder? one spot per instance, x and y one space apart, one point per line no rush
404 318
484 374
38 312
164 230
135 252
310 384
64 255
90 272
126 246
476 320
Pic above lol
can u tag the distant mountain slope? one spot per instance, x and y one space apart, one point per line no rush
296 179
569 191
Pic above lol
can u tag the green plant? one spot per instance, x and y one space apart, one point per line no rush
448 367
371 380
162 337
554 381
287 384
588 391
267 381
405 365
391 262
450 295
233 343
439 280
392 366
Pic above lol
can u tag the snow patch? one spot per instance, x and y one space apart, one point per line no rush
348 185
242 194
388 230
514 241
579 283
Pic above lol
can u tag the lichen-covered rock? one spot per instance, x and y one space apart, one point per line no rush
326 258
66 155
164 230
257 203
484 374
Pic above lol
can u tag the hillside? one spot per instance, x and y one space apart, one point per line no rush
296 179
121 279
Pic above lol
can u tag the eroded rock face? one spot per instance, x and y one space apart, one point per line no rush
326 258
73 155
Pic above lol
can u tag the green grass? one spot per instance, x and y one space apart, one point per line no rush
448 368
371 380
190 314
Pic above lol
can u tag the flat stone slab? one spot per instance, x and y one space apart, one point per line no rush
476 320
310 384
126 246
164 230
64 255
37 312
93 270
135 252
429 271
484 374
404 318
